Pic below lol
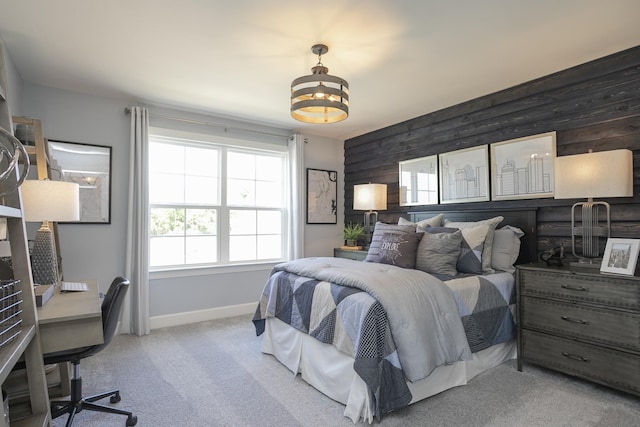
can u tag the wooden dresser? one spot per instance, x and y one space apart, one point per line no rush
581 323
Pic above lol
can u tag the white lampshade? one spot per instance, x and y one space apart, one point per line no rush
368 197
590 175
45 200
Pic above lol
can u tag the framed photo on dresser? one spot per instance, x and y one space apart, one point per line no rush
620 256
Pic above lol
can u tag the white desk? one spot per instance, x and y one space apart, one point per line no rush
71 319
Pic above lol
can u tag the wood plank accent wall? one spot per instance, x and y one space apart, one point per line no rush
591 106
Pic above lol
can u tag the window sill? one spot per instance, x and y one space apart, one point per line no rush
210 270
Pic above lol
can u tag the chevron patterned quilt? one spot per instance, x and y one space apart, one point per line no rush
357 324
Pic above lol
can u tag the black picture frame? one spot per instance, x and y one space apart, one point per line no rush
88 165
322 196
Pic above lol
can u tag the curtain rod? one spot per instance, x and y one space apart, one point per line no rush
226 128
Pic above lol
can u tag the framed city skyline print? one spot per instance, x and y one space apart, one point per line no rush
322 196
464 175
522 168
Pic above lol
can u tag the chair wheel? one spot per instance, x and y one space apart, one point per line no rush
132 420
115 399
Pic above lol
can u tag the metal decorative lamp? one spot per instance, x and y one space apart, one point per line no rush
601 174
370 197
320 97
45 201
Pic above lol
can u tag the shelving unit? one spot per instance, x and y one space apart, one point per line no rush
27 343
38 154
39 158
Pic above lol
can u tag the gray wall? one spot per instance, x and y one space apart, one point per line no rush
92 251
98 251
14 91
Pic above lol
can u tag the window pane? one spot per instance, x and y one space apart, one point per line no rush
269 247
166 222
241 165
166 158
242 248
201 222
269 168
241 192
201 161
166 251
268 194
201 249
242 222
201 190
269 222
164 188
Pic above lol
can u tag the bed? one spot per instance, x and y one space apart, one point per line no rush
382 334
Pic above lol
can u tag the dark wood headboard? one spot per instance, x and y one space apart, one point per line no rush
524 219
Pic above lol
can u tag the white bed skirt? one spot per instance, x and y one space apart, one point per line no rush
331 371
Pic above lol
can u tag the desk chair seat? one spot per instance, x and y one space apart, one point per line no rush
111 307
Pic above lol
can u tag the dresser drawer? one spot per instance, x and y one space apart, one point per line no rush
614 368
597 289
618 328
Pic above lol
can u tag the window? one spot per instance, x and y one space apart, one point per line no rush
215 204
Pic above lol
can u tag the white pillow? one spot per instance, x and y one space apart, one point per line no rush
506 248
434 221
488 241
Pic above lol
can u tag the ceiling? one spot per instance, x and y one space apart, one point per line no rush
237 58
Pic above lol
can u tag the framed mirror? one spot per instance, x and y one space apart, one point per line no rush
419 181
89 166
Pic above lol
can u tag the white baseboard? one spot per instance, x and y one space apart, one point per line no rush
178 319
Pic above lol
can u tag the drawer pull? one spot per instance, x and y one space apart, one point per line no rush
575 288
572 320
575 357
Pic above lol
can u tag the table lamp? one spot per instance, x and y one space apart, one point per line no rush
44 200
601 174
370 197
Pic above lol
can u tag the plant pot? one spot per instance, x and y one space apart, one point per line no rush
352 243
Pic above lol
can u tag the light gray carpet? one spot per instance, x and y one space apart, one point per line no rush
213 374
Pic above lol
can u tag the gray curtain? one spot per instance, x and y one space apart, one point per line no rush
137 257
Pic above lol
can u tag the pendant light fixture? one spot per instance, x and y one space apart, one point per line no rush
319 97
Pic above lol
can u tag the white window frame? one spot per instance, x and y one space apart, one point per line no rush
223 264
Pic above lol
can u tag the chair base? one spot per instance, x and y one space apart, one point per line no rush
78 403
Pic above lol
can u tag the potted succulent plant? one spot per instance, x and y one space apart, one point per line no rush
352 232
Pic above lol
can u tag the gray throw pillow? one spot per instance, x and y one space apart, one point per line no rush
438 252
376 239
397 249
470 256
379 231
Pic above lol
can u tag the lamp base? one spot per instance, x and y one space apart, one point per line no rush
592 229
44 261
370 220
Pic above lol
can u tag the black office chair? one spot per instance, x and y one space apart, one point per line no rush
111 307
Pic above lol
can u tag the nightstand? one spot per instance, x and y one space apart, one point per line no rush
580 322
350 254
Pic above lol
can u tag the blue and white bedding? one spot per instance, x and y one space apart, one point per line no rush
398 324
